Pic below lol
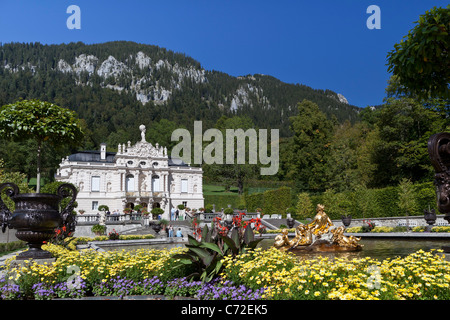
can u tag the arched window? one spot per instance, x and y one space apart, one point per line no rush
155 184
129 183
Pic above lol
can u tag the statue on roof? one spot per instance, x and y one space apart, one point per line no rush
142 128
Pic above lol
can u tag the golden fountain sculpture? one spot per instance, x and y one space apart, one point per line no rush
320 235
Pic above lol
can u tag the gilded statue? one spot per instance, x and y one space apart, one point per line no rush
321 221
318 232
282 239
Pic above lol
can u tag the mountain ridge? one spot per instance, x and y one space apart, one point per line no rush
107 81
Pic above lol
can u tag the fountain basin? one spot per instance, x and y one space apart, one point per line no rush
159 243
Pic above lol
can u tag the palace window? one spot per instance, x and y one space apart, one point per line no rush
155 184
184 185
94 205
129 183
95 184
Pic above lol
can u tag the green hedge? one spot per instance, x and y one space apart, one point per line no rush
372 203
362 203
254 201
277 201
222 201
11 246
270 201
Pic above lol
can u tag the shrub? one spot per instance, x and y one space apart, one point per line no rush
222 201
228 211
156 211
113 235
254 201
104 208
354 230
304 207
400 229
98 229
382 229
12 246
277 201
440 229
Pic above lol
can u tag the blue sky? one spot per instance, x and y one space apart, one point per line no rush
324 44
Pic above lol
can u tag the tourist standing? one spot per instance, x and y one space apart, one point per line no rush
170 231
172 214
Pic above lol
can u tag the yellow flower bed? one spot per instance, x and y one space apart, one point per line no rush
421 275
440 229
92 266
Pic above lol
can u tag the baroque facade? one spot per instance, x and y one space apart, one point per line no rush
136 174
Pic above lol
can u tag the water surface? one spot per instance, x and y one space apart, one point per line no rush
379 249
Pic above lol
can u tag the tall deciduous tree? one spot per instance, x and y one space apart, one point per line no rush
406 198
310 146
421 61
403 128
43 121
234 173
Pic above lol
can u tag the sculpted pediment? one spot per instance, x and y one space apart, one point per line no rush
145 149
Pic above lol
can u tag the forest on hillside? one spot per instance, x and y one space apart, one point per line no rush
324 143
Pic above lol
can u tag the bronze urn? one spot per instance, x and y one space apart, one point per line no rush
36 216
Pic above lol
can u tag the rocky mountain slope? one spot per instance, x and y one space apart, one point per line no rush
106 82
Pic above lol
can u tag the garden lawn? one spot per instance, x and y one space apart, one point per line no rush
258 274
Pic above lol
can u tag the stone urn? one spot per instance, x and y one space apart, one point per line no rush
346 220
430 218
156 227
290 221
36 216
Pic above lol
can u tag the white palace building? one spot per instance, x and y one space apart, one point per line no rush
137 174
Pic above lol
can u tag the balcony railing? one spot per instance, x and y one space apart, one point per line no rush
95 218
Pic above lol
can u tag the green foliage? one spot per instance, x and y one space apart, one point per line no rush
52 188
406 199
254 201
228 211
156 211
11 246
421 60
277 201
18 179
233 174
205 257
384 202
222 201
400 150
98 228
309 147
105 208
304 208
42 121
348 164
271 201
109 115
